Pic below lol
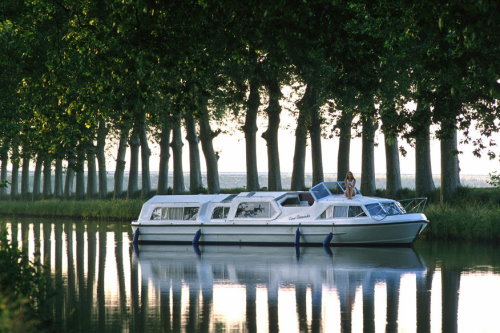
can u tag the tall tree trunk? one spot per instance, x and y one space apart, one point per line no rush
70 177
343 157
299 156
47 178
102 133
120 163
195 183
37 177
58 182
80 174
4 158
450 170
368 157
14 184
164 156
133 176
25 178
91 173
393 172
177 156
145 155
424 184
315 134
271 136
250 130
211 158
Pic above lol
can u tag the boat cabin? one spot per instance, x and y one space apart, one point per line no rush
325 201
317 216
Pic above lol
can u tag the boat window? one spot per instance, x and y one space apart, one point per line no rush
327 214
375 209
339 211
356 211
156 214
175 213
335 188
392 208
342 211
333 212
306 199
254 210
294 201
400 206
220 213
320 191
190 213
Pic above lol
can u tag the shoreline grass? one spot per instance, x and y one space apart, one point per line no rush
473 216
112 210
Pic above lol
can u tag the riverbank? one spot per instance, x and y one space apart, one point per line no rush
101 210
473 216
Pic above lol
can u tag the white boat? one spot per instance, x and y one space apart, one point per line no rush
321 216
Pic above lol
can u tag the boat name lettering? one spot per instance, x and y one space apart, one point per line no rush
299 217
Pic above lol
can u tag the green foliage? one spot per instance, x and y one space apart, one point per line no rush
122 210
22 290
465 196
494 180
4 183
67 66
475 222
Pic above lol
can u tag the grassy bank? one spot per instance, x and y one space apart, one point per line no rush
475 222
474 215
113 210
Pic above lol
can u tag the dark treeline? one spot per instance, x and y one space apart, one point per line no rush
78 76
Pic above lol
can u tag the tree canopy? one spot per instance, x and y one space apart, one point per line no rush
66 67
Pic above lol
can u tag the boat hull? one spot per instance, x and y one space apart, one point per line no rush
281 234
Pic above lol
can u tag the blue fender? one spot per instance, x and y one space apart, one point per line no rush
297 237
196 238
137 233
328 239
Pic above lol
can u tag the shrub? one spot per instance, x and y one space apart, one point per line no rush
22 290
463 222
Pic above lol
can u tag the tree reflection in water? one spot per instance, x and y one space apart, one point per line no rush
102 286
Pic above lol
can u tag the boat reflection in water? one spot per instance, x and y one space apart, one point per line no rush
231 288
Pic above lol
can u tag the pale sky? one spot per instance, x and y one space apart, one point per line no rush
231 148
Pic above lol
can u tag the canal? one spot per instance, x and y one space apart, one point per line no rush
101 283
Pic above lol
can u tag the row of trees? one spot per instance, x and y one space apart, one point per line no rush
75 75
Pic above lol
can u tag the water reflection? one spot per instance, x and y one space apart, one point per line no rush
103 286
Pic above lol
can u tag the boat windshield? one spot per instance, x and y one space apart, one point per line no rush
385 209
320 191
325 189
393 208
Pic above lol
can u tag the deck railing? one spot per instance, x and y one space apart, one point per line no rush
413 205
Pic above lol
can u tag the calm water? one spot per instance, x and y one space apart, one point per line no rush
103 285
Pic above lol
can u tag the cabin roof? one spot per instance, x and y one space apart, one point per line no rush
273 195
196 198
228 198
